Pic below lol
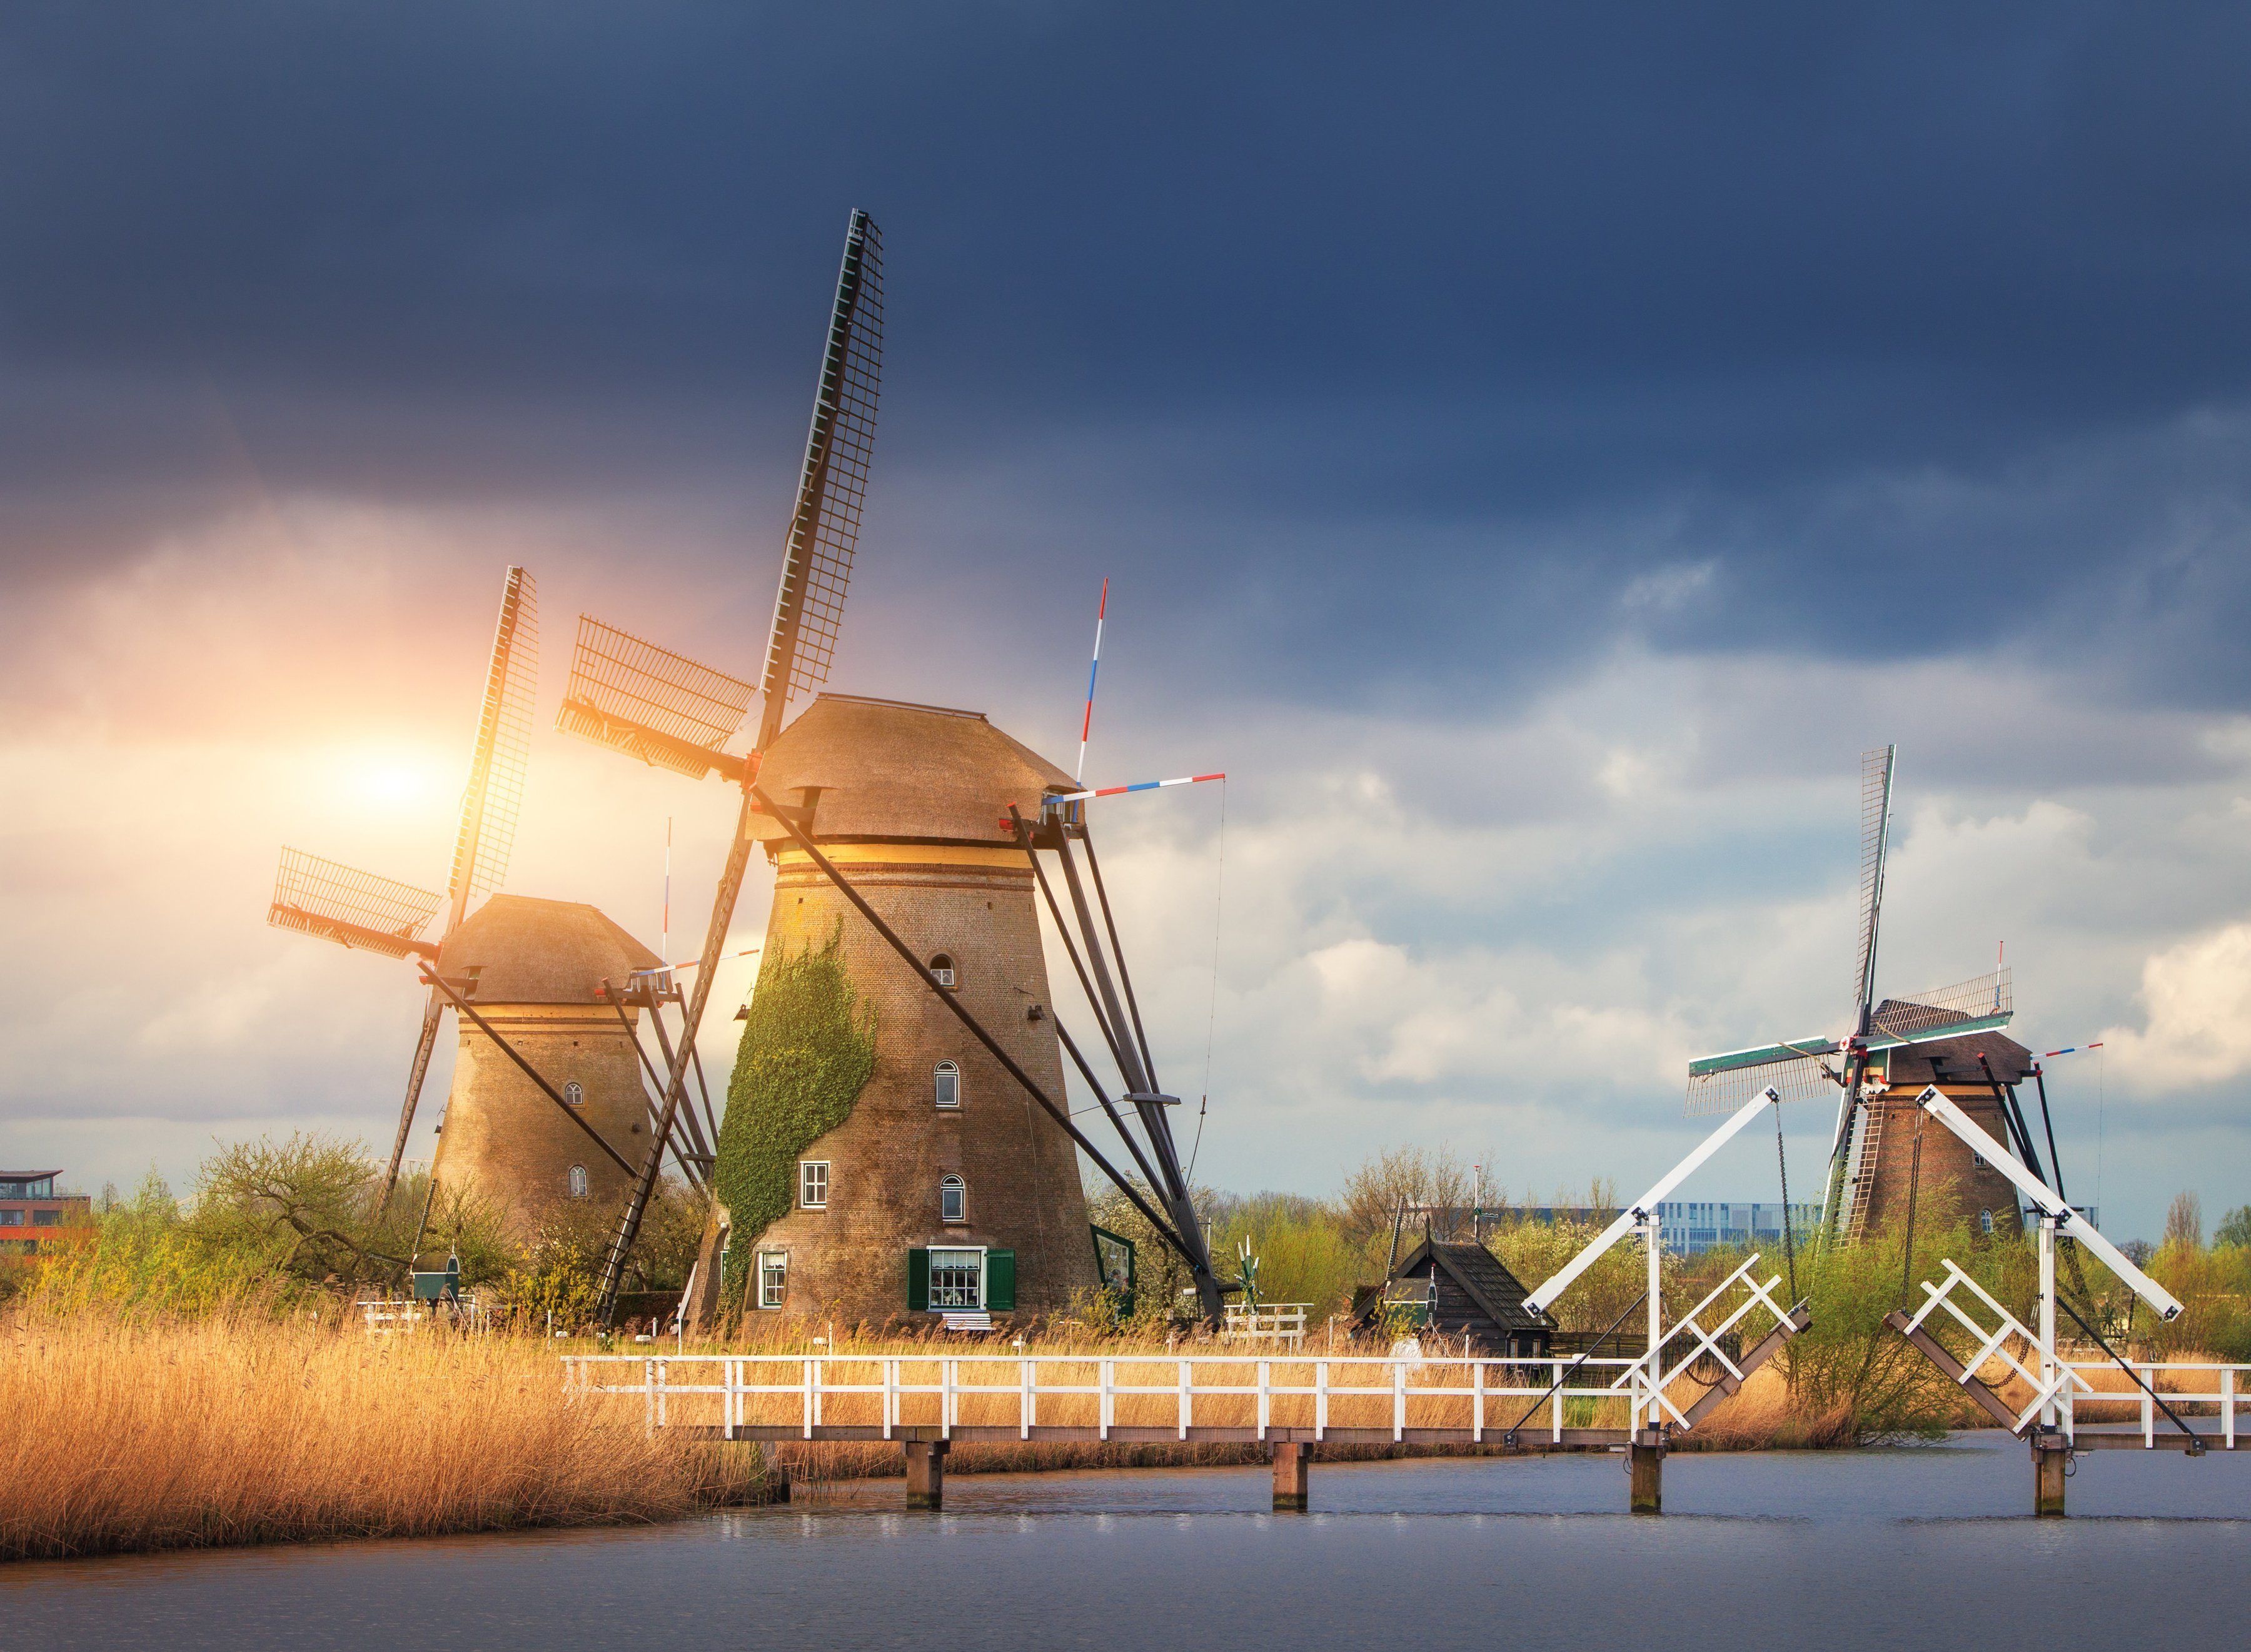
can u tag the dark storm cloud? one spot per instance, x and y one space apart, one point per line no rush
1445 326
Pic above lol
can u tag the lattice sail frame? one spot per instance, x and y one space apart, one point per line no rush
649 702
832 486
1877 768
1812 1067
351 907
502 758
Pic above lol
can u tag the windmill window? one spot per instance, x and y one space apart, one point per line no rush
578 1181
942 967
957 1279
575 1093
952 1200
1985 1221
812 1184
773 1278
945 1084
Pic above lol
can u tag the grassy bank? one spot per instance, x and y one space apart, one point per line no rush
240 1427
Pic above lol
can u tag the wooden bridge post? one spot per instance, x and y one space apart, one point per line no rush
1644 1464
926 1473
1292 1461
2050 1457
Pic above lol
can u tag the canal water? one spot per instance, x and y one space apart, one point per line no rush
1917 1547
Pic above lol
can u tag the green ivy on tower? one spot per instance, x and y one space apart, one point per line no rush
808 1050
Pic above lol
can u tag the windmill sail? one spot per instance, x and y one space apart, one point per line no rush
824 530
650 703
495 793
1876 770
353 908
490 803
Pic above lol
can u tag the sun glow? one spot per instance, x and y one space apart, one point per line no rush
393 780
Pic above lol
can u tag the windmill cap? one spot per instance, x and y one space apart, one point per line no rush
889 770
518 949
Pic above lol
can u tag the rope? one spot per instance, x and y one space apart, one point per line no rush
1789 1247
1913 1186
1211 1014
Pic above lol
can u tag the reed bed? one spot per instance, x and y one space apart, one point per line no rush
239 1428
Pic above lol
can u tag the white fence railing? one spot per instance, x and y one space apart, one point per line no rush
1270 1323
1305 1397
2001 1339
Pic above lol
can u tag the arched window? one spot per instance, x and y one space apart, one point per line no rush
946 1085
942 967
1985 1221
578 1181
952 1200
575 1093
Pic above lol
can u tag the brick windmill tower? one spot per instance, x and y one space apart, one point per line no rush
1893 1048
898 1140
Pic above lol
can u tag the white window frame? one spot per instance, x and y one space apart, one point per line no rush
809 1172
936 1250
946 972
953 1184
938 1075
577 1182
773 1278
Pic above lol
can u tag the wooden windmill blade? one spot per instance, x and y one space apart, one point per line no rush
361 909
666 709
1797 1070
1879 767
490 803
832 489
824 532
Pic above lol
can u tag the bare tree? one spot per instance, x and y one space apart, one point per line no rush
2185 1221
1424 1179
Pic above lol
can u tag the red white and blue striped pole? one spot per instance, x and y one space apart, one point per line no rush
1138 785
1086 724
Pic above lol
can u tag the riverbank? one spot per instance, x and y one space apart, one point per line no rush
130 1435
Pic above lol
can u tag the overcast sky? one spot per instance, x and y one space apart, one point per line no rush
1534 453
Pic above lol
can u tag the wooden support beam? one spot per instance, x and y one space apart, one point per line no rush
1644 1463
1936 1354
2050 1456
1800 1317
1292 1461
926 1474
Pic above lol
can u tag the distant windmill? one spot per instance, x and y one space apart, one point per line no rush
361 909
942 1190
1859 1064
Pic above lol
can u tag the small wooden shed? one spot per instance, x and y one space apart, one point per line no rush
1462 1290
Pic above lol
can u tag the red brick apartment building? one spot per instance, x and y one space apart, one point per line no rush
34 1216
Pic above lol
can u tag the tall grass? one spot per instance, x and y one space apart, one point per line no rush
131 1433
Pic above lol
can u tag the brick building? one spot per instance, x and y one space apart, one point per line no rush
1953 1181
33 1216
534 969
946 1189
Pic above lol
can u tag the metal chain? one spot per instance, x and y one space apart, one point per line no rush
1789 1247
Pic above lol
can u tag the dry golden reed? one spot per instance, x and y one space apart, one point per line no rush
125 1434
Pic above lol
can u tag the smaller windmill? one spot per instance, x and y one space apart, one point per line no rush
368 913
1800 1068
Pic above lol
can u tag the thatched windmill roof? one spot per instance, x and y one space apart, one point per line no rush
519 950
889 772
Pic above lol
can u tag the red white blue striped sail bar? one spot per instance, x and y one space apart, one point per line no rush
1138 785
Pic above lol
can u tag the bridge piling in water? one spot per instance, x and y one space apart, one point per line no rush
926 1474
1293 1464
2051 1455
1644 1464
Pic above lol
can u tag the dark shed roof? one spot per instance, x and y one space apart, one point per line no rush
1497 1295
519 950
888 770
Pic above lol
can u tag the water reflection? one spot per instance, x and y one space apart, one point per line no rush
1924 1547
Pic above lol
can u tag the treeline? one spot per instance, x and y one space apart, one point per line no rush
303 1221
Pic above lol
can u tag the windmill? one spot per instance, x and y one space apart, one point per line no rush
946 1181
1871 1055
363 910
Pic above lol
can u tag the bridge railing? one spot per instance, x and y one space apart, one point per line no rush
1102 1397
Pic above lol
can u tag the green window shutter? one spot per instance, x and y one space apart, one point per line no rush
918 1281
1000 1281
